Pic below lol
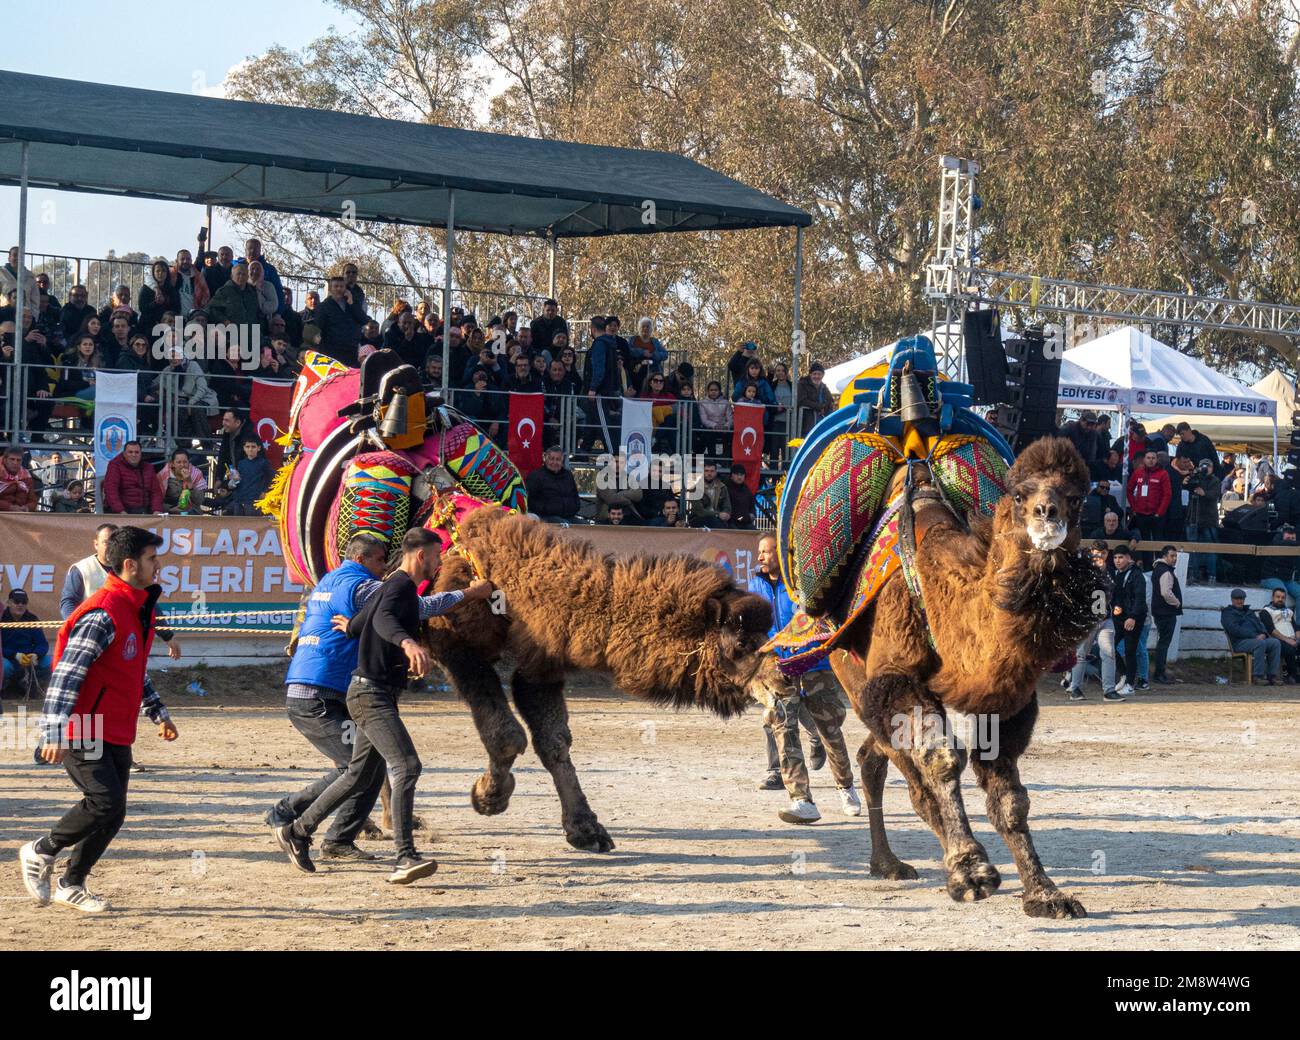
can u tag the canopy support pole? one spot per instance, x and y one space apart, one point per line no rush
18 385
796 340
446 295
550 292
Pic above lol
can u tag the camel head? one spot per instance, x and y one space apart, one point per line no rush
1036 566
689 637
1045 490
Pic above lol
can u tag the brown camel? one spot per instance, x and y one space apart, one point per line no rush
1002 602
672 630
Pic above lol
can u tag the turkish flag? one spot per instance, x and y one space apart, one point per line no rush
525 444
268 408
747 440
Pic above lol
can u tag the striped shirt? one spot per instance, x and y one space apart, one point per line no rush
90 637
430 606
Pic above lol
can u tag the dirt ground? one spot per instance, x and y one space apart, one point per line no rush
1173 819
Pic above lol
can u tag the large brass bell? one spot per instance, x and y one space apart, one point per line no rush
393 423
913 405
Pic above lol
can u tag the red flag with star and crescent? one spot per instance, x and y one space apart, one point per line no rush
747 440
525 443
268 408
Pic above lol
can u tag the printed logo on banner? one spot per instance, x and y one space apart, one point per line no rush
111 435
723 560
1140 397
638 455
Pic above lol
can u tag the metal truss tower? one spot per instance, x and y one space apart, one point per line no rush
953 283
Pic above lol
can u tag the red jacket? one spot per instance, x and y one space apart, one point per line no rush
114 685
1149 493
131 488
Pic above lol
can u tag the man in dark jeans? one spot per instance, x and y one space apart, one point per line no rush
315 685
1166 606
97 692
390 651
1129 613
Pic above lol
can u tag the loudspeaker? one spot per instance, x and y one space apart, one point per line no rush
986 361
1034 386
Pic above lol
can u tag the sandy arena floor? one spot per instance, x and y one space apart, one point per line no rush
1173 819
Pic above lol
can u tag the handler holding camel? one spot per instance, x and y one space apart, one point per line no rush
390 651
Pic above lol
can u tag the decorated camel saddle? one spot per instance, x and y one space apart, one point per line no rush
845 522
369 450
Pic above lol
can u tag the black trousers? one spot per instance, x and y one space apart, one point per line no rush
93 822
1165 625
380 740
1128 663
326 724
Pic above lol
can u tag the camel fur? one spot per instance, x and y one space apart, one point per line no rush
1002 601
671 630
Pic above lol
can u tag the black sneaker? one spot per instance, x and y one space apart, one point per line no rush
412 868
1113 697
817 756
1143 685
295 848
1076 695
345 850
771 782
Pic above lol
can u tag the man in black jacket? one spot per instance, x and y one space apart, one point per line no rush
1095 507
340 318
1129 613
1195 445
552 491
391 650
1166 606
1279 622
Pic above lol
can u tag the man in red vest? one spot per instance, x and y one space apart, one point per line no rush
96 694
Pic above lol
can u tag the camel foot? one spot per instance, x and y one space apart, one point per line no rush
1055 904
971 880
892 869
489 802
371 831
589 836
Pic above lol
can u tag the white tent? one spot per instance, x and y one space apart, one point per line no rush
1155 379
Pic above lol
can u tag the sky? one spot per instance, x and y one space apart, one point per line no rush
138 43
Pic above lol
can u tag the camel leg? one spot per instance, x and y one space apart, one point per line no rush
541 703
1008 809
480 687
873 764
932 765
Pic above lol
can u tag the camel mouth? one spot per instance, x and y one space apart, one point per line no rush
1046 535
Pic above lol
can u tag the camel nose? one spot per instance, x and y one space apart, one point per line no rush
1046 511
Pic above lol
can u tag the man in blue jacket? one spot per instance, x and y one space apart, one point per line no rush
1247 635
317 681
815 691
24 646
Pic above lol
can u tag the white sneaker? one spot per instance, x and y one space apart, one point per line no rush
1124 689
801 811
37 870
79 898
849 802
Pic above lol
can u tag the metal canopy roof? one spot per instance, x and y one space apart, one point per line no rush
121 140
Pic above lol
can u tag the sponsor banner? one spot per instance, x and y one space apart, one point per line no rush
637 428
220 564
208 563
115 395
1097 396
1202 404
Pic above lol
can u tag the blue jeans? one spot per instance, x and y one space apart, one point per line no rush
1202 534
12 671
1105 641
1291 588
1143 655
